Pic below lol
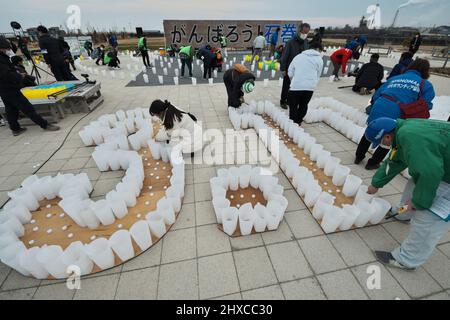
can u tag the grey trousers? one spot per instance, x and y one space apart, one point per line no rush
426 231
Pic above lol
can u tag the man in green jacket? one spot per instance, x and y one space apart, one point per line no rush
186 56
142 46
422 146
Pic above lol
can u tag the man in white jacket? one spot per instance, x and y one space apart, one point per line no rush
258 45
304 71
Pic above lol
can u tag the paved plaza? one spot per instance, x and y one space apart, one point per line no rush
197 261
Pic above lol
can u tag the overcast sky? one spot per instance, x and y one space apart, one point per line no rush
119 14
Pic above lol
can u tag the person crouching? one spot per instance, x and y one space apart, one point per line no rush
179 128
238 80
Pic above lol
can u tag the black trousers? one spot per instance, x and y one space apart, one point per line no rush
186 62
298 105
357 88
100 58
285 90
207 69
14 102
145 58
336 66
61 71
378 156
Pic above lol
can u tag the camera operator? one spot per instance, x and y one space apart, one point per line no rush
11 82
54 55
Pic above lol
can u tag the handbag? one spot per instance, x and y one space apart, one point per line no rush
415 110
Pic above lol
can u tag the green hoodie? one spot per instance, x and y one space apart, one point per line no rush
188 50
422 146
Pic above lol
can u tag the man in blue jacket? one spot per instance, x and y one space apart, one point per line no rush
405 89
402 65
274 41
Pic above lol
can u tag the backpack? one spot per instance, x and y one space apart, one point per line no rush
414 110
240 68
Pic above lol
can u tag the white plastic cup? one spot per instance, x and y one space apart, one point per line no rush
362 195
340 175
156 224
230 220
259 219
140 232
220 205
244 176
332 219
74 254
117 203
246 213
50 258
331 165
312 195
351 213
322 158
351 185
161 80
366 214
121 244
380 208
325 199
101 253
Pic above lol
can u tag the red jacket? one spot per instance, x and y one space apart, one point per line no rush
342 56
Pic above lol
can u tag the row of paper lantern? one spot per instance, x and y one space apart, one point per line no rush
259 217
345 119
302 178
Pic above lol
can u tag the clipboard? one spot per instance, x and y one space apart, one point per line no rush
441 203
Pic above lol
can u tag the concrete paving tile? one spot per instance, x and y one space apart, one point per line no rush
303 224
99 288
288 261
305 289
341 285
267 293
179 245
254 268
54 292
321 255
138 285
351 248
388 289
210 240
217 276
178 281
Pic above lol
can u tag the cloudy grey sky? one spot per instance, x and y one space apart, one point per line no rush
119 14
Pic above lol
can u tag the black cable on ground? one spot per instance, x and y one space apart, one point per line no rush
59 148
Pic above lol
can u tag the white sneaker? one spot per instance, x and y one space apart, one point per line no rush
2 122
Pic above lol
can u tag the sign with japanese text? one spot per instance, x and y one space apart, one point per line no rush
240 34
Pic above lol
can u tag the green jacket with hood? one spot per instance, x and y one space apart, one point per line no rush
422 146
188 51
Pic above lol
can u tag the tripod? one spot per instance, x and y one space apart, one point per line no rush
35 72
18 32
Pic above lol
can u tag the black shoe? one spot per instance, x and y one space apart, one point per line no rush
372 166
388 260
283 105
358 160
19 132
51 127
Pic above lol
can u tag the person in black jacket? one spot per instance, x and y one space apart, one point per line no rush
237 80
100 55
68 59
11 82
208 58
28 81
370 76
54 55
293 47
415 43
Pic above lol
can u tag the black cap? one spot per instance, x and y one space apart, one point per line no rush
4 43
